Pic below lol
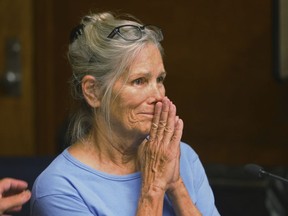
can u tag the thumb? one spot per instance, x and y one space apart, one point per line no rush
14 201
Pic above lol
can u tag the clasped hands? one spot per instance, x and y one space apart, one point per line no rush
160 154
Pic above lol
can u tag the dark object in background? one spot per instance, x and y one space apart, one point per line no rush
259 172
239 194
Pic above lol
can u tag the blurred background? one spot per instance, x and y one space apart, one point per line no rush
220 58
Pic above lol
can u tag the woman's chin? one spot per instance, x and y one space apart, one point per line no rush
144 131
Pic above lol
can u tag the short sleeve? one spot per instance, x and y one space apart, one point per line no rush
205 197
197 182
59 205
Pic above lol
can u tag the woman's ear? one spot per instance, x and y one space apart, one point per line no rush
90 91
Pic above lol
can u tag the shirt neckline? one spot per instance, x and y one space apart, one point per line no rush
102 174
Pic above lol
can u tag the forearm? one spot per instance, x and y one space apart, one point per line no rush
151 201
181 201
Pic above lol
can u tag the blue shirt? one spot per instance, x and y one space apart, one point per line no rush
69 187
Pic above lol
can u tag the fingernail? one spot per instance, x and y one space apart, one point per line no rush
27 193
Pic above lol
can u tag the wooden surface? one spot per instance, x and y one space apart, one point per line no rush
17 112
220 75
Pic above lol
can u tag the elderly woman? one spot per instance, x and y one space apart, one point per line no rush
126 136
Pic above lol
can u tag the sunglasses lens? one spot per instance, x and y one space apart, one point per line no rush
130 32
134 33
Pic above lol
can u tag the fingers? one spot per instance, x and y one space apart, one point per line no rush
14 202
170 126
178 131
165 123
13 194
155 121
165 114
159 155
10 184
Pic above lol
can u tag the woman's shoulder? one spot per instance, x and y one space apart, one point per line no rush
190 159
53 177
188 151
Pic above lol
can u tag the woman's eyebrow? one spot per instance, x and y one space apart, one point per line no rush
147 74
163 73
142 73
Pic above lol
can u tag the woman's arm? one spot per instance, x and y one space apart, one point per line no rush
151 201
181 200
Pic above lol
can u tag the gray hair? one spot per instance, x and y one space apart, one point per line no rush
91 52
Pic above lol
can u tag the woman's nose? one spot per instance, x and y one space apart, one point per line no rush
158 92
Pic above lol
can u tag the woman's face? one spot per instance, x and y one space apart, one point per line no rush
133 108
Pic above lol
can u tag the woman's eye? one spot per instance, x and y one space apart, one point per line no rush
139 81
160 79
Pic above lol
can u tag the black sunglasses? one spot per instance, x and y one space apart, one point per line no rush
134 32
127 32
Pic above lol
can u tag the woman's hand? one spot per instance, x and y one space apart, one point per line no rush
13 194
160 155
160 165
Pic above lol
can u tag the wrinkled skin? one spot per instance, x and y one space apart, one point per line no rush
160 154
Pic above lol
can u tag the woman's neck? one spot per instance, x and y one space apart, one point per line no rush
107 152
